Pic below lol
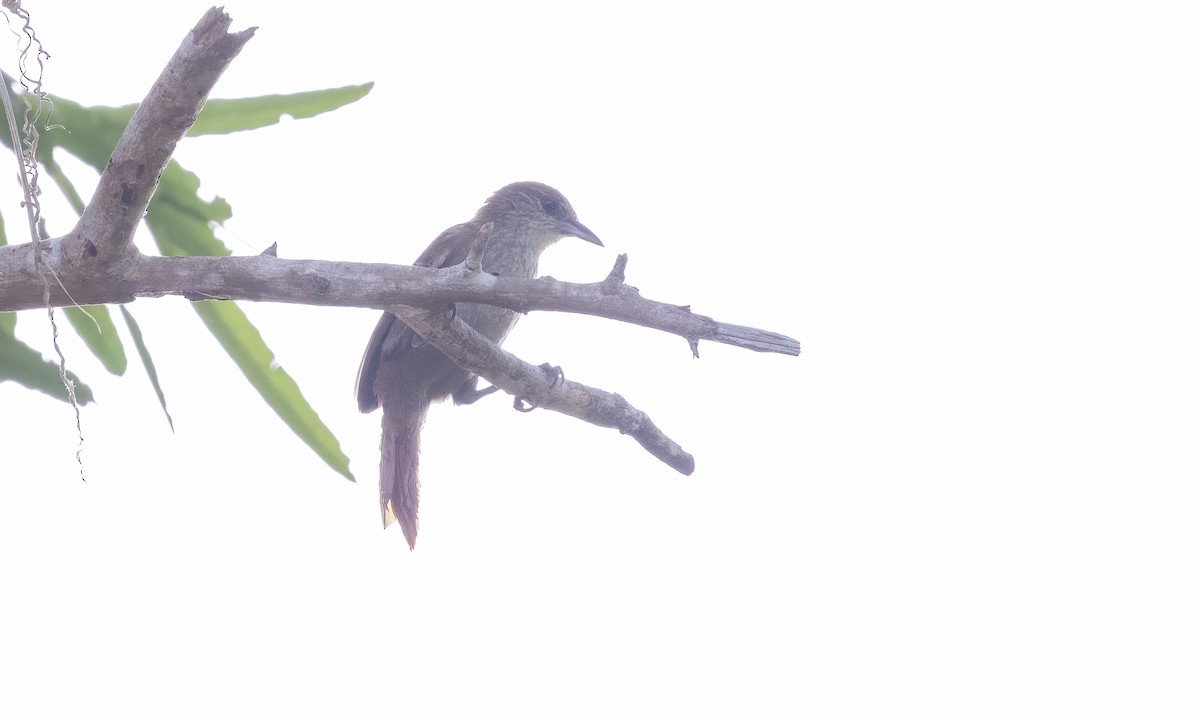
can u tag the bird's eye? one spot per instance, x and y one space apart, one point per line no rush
551 206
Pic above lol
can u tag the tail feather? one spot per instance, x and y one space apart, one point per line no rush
399 483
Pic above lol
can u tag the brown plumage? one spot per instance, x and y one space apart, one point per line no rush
403 374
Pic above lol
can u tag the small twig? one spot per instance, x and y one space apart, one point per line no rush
754 339
616 276
474 261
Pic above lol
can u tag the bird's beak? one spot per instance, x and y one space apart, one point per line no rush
574 228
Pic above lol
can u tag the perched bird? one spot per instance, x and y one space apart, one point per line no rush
403 374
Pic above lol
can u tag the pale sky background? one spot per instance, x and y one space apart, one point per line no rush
973 496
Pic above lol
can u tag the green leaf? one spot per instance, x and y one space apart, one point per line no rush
135 331
226 116
92 132
182 223
26 366
8 322
245 345
88 133
100 335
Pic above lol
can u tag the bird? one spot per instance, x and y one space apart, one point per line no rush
402 373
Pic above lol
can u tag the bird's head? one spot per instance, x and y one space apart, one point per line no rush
536 210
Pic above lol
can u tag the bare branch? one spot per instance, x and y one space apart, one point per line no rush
264 278
104 234
470 350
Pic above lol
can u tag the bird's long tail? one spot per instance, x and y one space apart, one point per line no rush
399 484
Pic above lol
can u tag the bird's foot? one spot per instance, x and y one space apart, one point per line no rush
555 373
556 380
468 396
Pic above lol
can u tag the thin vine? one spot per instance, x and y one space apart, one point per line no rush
25 148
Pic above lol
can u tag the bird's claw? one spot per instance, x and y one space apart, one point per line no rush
555 373
556 380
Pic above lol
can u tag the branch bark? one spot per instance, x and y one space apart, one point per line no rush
265 278
534 385
97 263
103 237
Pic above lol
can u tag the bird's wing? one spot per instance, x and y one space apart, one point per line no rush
364 386
449 248
392 338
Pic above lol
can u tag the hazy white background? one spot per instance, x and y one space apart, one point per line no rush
974 494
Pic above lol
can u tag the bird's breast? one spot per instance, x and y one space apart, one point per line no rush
492 322
507 259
